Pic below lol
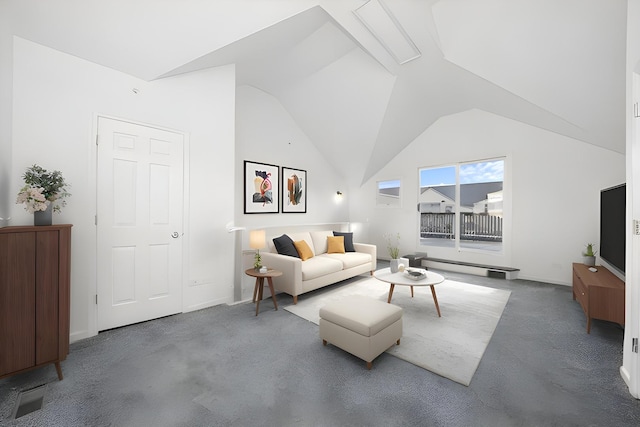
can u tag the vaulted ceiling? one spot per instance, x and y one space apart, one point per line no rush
554 64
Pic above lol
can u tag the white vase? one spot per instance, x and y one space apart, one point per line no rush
393 265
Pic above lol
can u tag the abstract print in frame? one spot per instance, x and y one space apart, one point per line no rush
294 190
260 188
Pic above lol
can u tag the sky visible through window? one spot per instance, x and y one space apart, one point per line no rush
389 184
491 171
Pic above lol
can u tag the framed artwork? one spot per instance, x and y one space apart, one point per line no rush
261 188
294 190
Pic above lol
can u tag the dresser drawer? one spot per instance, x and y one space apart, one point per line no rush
580 292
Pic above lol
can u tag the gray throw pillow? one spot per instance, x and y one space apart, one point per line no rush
284 246
348 240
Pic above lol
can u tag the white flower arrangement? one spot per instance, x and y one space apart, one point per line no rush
43 189
33 199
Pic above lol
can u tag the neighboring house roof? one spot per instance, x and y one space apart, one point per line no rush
391 191
470 193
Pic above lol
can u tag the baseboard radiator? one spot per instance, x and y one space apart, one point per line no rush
508 273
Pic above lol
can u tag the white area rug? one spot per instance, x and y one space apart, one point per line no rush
452 345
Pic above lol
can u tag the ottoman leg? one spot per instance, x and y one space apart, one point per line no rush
369 365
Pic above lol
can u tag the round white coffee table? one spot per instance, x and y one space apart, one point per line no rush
399 278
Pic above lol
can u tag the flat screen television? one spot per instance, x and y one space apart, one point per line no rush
613 203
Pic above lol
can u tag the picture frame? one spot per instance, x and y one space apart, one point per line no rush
261 187
294 190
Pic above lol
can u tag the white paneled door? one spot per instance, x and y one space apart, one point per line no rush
139 222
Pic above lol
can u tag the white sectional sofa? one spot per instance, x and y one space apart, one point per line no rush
322 268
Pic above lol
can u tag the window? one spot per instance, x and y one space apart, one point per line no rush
388 194
437 206
461 206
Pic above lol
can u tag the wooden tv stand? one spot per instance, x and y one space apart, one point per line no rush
601 294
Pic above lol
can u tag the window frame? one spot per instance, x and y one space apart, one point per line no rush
457 246
398 203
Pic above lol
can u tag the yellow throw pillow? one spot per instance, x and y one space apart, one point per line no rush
303 250
335 244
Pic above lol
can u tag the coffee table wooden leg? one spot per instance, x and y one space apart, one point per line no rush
391 286
260 285
435 299
273 292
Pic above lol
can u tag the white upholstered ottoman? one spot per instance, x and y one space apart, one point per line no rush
362 326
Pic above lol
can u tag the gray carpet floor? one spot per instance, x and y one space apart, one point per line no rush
223 366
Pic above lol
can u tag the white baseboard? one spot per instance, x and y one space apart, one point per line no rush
626 376
207 304
79 335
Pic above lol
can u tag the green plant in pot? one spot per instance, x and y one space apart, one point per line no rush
257 260
44 192
589 255
394 251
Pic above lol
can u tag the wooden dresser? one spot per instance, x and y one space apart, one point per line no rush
601 294
35 268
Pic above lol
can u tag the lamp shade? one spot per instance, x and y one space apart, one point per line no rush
257 239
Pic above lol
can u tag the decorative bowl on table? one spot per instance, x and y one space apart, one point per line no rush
415 273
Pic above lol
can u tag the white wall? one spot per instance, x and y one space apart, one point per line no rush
55 101
630 369
552 190
266 133
6 72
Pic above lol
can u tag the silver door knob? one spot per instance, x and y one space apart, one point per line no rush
175 235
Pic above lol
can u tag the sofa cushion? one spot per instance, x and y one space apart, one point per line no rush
335 244
320 241
304 251
350 259
284 245
348 240
319 266
306 236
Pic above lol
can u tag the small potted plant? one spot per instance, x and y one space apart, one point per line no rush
257 260
43 193
394 251
589 255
